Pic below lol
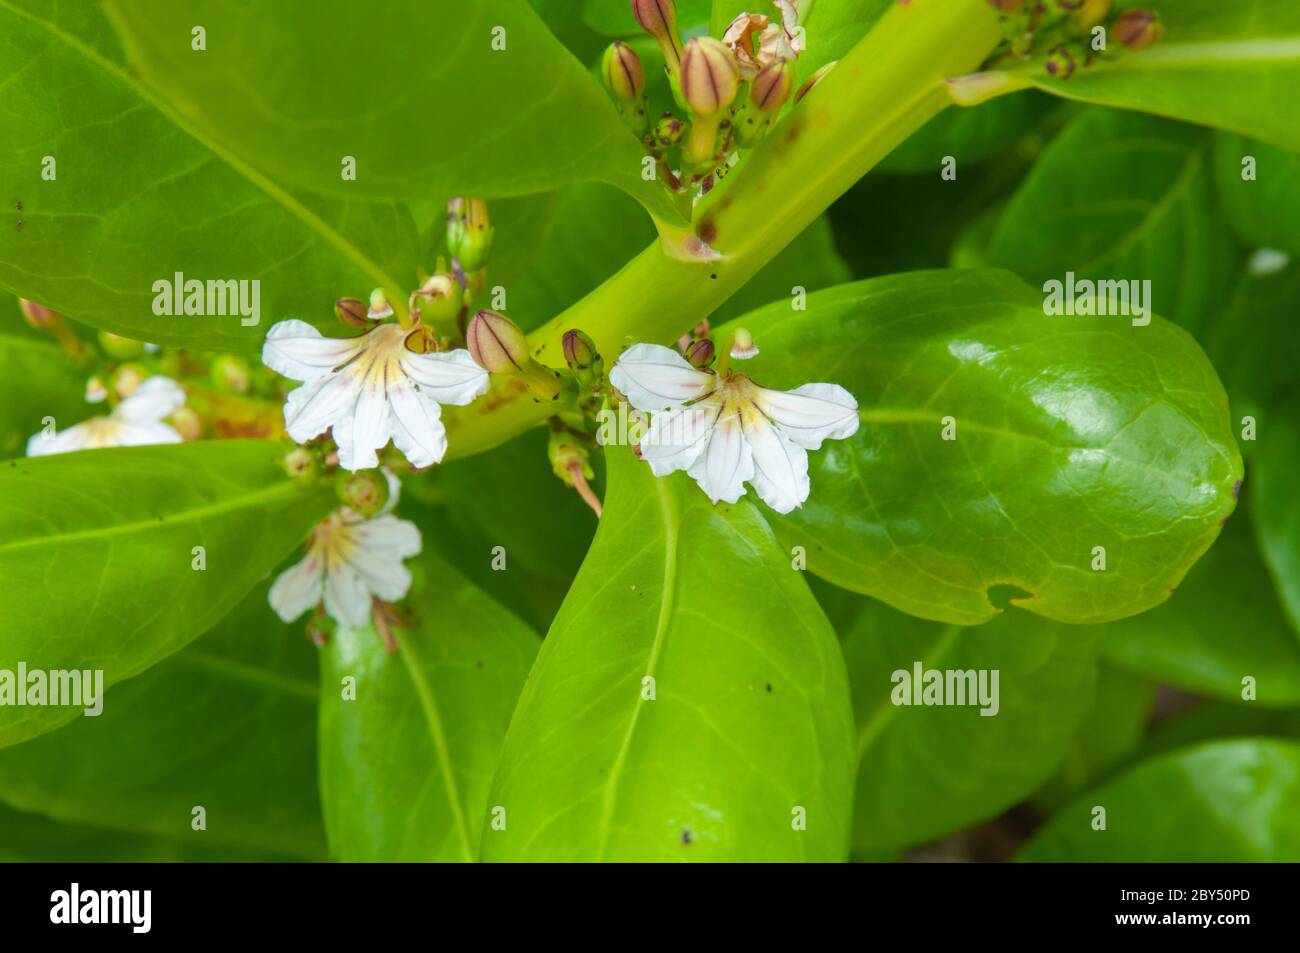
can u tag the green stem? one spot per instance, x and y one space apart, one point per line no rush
886 88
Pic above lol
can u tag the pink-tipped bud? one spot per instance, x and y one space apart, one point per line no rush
710 76
772 87
37 315
623 72
659 19
352 312
1137 29
701 353
497 343
580 352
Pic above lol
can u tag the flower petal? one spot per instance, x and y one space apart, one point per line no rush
145 435
316 406
655 377
297 589
385 578
676 438
347 600
153 400
780 466
448 377
811 413
417 429
365 431
727 462
298 351
76 437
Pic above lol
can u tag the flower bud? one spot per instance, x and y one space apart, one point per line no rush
1060 63
742 345
1090 13
623 72
469 232
231 374
768 92
659 19
126 379
497 343
580 352
364 492
571 462
439 299
701 353
813 80
379 306
120 348
668 131
37 315
187 423
1137 29
301 465
352 312
710 76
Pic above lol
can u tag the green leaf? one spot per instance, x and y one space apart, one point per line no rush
1218 720
454 113
142 194
228 723
36 381
1124 197
969 135
749 720
1231 65
96 550
1110 731
925 771
1245 342
1067 439
1276 495
1231 801
1263 209
405 764
1222 625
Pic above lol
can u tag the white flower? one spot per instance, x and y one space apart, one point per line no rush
370 388
136 422
776 41
728 431
349 559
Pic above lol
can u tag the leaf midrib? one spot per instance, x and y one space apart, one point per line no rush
247 172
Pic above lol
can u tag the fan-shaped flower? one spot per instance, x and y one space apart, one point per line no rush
136 422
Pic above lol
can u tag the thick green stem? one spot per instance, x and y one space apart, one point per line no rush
885 89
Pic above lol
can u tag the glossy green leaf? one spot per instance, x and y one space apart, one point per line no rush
1111 729
1121 196
406 762
1230 801
1276 494
142 194
1223 624
926 770
97 549
1218 720
969 135
1261 198
36 381
463 115
1231 65
1066 440
689 703
228 724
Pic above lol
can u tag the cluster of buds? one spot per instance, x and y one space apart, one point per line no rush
731 89
1067 30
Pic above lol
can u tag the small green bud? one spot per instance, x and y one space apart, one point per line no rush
497 343
742 345
710 76
364 492
301 465
232 374
623 72
469 232
1060 63
439 299
352 312
1137 29
37 315
659 19
120 348
768 92
379 306
580 351
187 423
701 353
571 462
668 131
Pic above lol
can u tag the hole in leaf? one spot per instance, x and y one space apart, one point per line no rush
1002 595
